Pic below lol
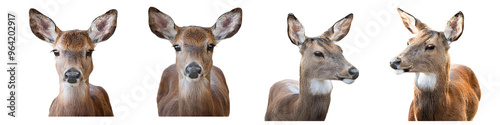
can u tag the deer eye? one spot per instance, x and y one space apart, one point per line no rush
177 48
211 47
318 54
89 52
429 47
56 52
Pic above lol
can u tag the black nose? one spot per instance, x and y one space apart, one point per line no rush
354 73
72 75
193 70
395 63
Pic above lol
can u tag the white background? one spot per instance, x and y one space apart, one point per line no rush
130 63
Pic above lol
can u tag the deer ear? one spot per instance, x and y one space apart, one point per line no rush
228 24
103 26
455 27
340 29
43 27
411 23
161 24
296 31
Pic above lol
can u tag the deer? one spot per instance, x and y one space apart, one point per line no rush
442 92
309 98
193 86
73 54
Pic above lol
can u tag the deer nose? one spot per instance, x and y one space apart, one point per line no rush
353 72
72 75
395 63
193 70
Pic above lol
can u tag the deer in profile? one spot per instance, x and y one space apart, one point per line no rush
73 54
309 98
442 92
193 86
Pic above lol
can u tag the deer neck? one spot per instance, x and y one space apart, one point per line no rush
195 96
431 92
73 100
314 96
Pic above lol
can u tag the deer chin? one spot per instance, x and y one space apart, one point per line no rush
348 81
67 84
401 70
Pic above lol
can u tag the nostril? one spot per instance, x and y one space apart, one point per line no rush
72 75
193 70
354 73
395 63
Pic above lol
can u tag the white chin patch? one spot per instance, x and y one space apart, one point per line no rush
71 84
399 71
425 81
348 81
320 86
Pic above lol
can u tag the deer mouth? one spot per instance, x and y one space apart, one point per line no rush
346 80
400 71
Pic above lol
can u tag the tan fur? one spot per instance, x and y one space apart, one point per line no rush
82 99
291 100
180 95
456 94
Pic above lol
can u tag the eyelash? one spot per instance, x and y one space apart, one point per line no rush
56 52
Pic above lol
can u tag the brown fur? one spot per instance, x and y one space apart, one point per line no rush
456 94
95 104
208 94
73 50
213 103
289 102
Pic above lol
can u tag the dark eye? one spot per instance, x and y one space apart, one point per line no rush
429 47
407 43
89 52
211 47
56 52
318 54
177 48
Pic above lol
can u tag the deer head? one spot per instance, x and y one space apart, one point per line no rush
322 59
427 52
73 49
194 45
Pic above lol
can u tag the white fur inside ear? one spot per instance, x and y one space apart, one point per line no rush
410 21
298 35
425 81
97 33
348 81
450 31
340 28
301 35
399 71
46 27
225 25
318 87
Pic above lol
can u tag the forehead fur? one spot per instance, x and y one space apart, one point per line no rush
430 36
194 34
326 44
427 35
74 40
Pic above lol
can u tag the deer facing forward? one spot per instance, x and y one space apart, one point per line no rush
73 53
193 86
